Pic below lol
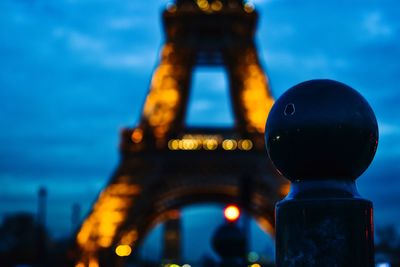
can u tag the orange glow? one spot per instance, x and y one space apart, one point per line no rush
173 215
110 210
203 4
249 7
284 190
162 102
79 264
173 144
137 135
232 213
265 225
208 142
229 144
93 262
216 6
188 144
129 237
255 265
255 99
123 250
245 144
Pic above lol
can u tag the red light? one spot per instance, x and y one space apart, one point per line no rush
232 213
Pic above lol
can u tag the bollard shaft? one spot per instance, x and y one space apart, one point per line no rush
333 232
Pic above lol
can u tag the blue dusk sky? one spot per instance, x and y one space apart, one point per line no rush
73 73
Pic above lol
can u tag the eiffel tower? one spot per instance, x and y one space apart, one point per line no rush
166 165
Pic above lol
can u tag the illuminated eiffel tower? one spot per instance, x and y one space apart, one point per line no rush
166 165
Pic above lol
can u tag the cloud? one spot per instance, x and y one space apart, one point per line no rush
375 25
99 51
261 2
80 41
128 60
389 129
124 23
312 64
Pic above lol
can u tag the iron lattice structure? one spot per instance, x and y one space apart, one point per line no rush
165 165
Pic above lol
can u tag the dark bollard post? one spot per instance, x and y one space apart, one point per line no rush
322 135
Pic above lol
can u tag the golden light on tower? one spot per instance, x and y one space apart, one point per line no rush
123 250
229 144
99 229
137 135
209 142
217 5
255 97
164 97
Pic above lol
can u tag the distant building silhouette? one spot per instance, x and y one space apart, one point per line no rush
19 240
75 216
387 246
42 206
41 239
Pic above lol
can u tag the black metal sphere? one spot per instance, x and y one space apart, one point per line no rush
321 129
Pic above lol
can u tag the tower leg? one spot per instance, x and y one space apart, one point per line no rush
164 107
249 88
